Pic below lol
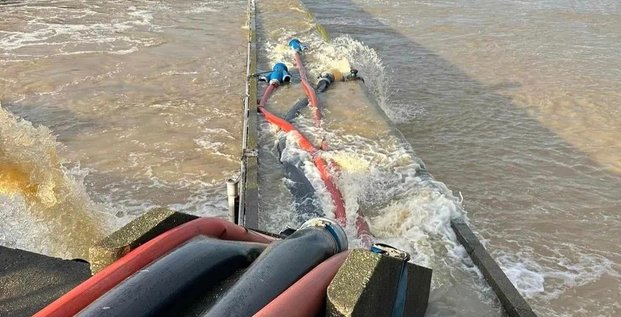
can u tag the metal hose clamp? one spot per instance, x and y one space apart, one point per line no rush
332 227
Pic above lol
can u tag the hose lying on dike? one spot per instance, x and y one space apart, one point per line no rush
307 146
88 291
362 227
306 86
325 79
306 202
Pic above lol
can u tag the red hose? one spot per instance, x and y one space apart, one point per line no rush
266 95
362 227
87 292
363 230
337 198
305 297
308 90
319 162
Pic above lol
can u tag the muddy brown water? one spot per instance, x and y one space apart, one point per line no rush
109 109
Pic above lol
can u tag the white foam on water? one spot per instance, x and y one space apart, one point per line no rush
57 29
370 65
206 199
38 187
137 194
381 180
19 229
550 280
201 8
206 143
525 275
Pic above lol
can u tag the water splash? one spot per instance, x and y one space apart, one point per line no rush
379 171
47 208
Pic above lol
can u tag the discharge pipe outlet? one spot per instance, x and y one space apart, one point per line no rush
281 265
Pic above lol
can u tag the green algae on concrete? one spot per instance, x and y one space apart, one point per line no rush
132 235
367 282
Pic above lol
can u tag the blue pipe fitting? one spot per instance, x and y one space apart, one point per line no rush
279 75
296 45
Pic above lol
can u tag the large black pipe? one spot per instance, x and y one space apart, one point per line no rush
306 203
296 109
176 279
280 265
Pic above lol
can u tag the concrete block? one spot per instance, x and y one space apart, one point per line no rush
366 285
512 301
30 281
132 235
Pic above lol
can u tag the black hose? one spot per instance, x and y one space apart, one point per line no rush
280 265
322 86
307 205
296 109
176 279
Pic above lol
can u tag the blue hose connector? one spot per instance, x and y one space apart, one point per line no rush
296 45
279 75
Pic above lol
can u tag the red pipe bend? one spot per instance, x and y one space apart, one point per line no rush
305 297
87 292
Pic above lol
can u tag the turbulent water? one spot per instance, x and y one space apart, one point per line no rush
142 99
110 109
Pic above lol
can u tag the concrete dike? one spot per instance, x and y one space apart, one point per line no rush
30 281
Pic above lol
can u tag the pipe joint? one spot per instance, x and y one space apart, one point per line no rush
330 226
